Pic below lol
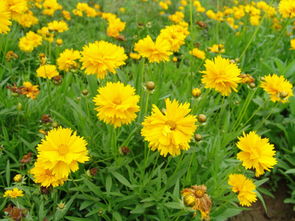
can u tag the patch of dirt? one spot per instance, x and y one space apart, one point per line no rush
277 210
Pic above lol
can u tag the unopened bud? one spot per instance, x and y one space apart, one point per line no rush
202 118
150 85
196 92
252 85
198 137
85 92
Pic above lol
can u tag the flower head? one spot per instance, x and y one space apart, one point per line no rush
45 176
47 71
155 51
4 18
116 104
30 41
287 8
278 88
244 187
67 60
30 90
59 153
198 53
222 75
59 26
217 48
169 132
14 193
101 57
197 198
256 153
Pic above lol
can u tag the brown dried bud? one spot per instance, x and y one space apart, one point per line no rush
201 24
202 118
57 79
121 38
45 190
14 212
93 171
124 150
46 119
26 158
150 85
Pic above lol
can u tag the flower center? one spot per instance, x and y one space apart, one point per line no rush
63 149
117 100
171 124
199 193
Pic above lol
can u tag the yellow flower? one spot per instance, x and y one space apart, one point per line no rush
292 43
16 7
14 193
61 151
116 104
169 132
217 48
47 71
278 88
27 19
59 26
198 53
177 17
221 75
196 92
244 187
287 8
30 41
134 56
155 51
67 60
256 153
45 176
66 14
197 198
50 6
30 90
17 178
100 57
175 35
4 18
115 26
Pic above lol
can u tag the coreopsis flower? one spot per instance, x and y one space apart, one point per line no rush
197 198
67 60
217 48
47 71
50 7
27 19
30 41
134 56
66 14
4 18
45 177
155 51
278 88
115 26
84 7
116 103
222 75
169 132
30 90
198 53
60 152
287 8
14 193
175 35
46 34
58 26
177 17
102 57
16 7
17 178
244 187
256 153
292 43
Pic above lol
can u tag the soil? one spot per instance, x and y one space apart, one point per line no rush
277 210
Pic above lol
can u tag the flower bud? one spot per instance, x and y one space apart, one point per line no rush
198 137
17 178
150 85
196 92
202 118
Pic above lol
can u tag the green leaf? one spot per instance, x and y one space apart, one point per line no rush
290 171
62 212
94 188
7 173
117 216
175 205
260 182
121 179
108 183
